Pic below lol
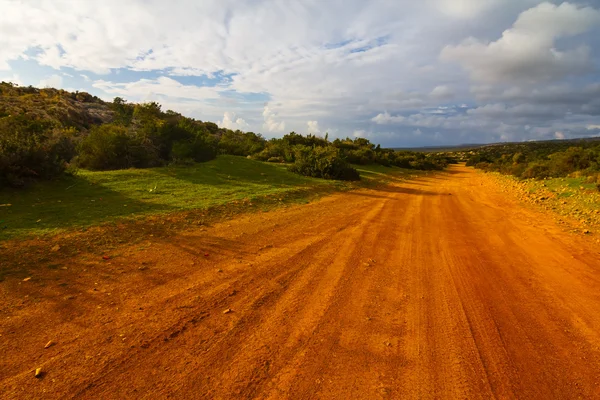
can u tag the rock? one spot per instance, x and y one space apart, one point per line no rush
39 373
228 311
220 270
586 232
27 279
49 344
55 248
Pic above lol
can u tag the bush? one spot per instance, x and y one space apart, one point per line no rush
32 149
536 171
198 149
322 162
111 146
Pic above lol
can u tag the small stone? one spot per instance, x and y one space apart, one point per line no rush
219 270
586 231
229 310
49 344
27 279
55 248
39 373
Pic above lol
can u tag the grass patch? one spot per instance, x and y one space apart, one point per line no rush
92 198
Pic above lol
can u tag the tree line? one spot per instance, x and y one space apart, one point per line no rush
540 160
46 132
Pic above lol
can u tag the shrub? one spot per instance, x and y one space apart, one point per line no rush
198 149
32 149
322 162
536 171
111 146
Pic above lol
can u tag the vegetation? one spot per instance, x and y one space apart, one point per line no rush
88 198
47 132
541 160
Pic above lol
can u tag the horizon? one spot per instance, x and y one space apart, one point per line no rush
404 75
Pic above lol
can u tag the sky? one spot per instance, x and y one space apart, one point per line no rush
400 73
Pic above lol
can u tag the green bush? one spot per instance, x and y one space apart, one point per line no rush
198 149
536 171
111 146
322 162
32 149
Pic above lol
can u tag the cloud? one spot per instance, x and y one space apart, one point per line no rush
512 63
12 78
161 86
53 81
386 118
313 127
559 135
271 124
442 92
233 122
464 9
527 51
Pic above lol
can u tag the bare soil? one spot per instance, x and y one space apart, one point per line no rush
440 287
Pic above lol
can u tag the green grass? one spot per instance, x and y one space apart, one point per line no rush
91 198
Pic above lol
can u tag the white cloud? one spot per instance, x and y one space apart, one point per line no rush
233 122
271 123
559 135
442 92
313 127
359 133
386 118
12 78
85 77
162 86
464 9
593 127
53 81
527 51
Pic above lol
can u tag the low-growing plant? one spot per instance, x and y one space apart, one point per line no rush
323 162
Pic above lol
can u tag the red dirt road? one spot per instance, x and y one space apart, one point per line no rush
439 287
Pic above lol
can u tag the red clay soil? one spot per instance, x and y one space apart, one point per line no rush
436 288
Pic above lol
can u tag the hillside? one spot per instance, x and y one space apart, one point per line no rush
45 132
79 110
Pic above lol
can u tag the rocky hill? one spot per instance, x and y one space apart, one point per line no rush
79 110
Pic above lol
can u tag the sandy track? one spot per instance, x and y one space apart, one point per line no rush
433 288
